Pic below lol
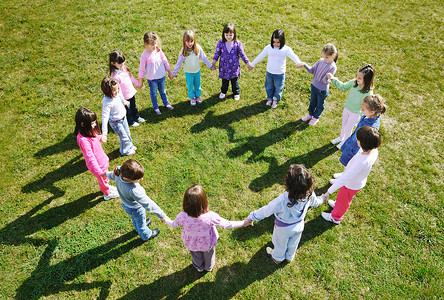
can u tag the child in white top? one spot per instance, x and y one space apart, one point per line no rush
154 65
189 56
355 174
120 72
114 112
277 53
359 87
289 210
199 232
319 86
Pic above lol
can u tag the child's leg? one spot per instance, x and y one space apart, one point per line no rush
320 102
343 200
224 88
209 259
235 85
269 86
189 79
279 81
132 114
280 242
153 93
197 259
196 84
293 243
349 121
103 184
122 129
162 91
313 101
138 217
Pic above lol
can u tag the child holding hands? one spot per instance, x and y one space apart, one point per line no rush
289 211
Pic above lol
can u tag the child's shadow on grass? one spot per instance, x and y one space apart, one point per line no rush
276 172
258 144
49 279
180 110
17 232
68 143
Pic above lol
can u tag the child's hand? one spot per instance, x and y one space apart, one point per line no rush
330 76
213 67
325 196
104 138
127 104
250 68
247 222
301 64
162 220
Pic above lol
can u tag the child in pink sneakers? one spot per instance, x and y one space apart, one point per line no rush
319 86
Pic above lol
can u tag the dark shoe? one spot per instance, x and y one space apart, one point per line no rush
148 222
154 234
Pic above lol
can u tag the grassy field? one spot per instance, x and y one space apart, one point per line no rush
60 239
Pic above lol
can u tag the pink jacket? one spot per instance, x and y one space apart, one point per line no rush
200 234
153 65
126 81
96 159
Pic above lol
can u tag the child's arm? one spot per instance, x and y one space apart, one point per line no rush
180 60
218 51
177 221
166 64
260 57
315 201
133 80
353 168
293 56
204 58
110 175
309 69
217 220
339 84
265 211
331 71
242 54
142 67
90 158
140 196
106 110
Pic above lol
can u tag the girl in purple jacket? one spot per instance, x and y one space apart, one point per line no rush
229 49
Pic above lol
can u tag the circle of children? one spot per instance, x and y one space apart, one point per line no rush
199 234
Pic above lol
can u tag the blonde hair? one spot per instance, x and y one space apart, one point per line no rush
189 35
150 37
330 49
375 103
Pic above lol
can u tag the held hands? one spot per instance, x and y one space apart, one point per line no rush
330 76
104 138
213 67
248 222
301 64
170 74
249 69
325 196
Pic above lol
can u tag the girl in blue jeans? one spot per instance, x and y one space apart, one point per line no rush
319 86
134 198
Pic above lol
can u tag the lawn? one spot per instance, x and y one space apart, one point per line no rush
60 239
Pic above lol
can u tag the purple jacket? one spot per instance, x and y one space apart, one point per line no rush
229 66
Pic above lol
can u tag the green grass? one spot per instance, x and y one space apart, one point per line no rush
59 239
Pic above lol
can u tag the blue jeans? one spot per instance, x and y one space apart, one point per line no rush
138 216
157 84
193 84
132 114
122 129
317 102
274 85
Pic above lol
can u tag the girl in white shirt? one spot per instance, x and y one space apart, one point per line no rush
277 53
355 174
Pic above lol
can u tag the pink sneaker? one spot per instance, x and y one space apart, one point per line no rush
193 101
306 118
268 103
313 121
157 111
275 104
198 100
170 107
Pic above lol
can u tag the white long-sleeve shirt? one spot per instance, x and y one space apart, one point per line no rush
276 58
356 172
112 109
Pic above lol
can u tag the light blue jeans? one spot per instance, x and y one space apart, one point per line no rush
122 129
286 241
138 216
193 84
274 86
158 84
317 102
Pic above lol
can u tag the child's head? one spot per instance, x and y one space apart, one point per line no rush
229 33
299 183
116 60
278 39
86 123
373 105
151 41
110 87
130 169
195 201
330 53
368 137
189 43
364 78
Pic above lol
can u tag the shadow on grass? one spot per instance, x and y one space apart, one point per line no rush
48 279
68 143
229 281
181 109
16 232
276 172
258 144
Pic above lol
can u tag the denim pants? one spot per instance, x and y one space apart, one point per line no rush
317 102
193 84
122 129
286 241
274 86
132 114
157 84
138 216
234 85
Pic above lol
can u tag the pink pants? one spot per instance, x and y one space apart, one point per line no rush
343 201
349 121
103 184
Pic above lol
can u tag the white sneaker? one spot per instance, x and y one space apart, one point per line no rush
221 96
340 145
269 102
113 188
135 124
140 120
111 195
329 218
331 203
269 250
236 97
336 141
337 175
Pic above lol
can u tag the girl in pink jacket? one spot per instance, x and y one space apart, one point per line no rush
88 139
